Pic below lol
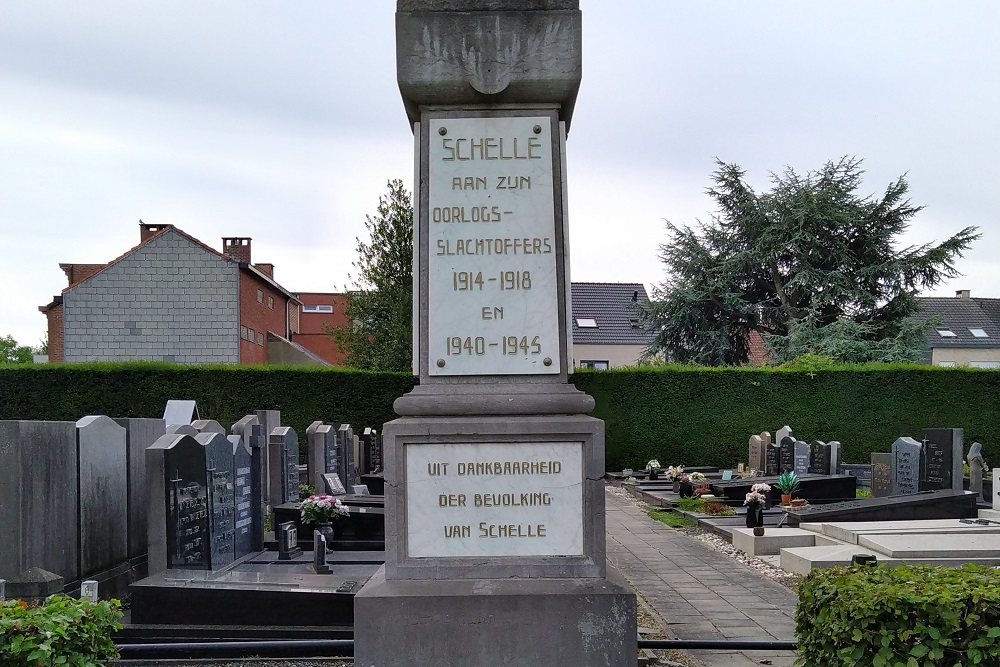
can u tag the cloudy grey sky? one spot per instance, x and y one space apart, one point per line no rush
282 121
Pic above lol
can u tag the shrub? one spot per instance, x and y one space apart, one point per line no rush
61 631
910 615
715 508
689 504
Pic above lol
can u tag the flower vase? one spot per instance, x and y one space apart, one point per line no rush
677 486
755 516
325 528
654 473
686 490
758 531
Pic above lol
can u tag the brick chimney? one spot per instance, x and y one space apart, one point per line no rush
266 269
147 231
237 247
963 294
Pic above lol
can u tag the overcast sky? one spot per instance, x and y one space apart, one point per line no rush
282 122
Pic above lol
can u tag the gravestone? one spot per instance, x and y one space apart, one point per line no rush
757 453
881 474
181 429
180 413
942 459
782 433
492 390
140 433
103 485
249 528
252 433
372 446
221 499
800 461
319 554
207 426
996 489
268 420
834 466
772 460
38 488
819 458
176 473
861 471
288 541
947 504
284 460
976 466
333 485
786 454
905 466
345 453
323 456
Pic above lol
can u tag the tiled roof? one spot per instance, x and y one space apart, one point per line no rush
959 315
613 307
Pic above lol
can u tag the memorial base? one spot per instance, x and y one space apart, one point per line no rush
491 622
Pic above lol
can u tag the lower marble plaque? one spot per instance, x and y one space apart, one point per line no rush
494 499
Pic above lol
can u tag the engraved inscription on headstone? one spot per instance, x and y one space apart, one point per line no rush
881 474
819 458
756 452
283 448
942 459
905 466
345 450
772 460
800 452
334 486
221 498
372 450
187 503
243 497
492 287
786 455
288 541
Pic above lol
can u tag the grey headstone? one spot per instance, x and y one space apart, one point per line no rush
180 412
268 420
139 434
39 505
181 429
356 470
834 446
103 465
322 442
221 499
976 466
33 585
782 433
756 453
243 496
942 459
905 466
345 448
283 446
372 446
861 471
800 454
288 541
207 426
253 434
881 474
178 504
319 554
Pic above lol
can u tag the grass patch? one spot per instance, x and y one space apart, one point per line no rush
689 504
863 493
671 519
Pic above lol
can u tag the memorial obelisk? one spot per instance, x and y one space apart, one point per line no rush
495 528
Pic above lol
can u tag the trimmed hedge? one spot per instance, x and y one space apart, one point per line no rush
909 615
61 631
676 414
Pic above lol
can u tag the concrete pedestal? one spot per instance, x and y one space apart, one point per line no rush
495 622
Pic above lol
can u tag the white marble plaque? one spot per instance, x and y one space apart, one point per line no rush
492 293
494 499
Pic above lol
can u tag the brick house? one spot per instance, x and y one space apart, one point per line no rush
173 298
968 330
321 310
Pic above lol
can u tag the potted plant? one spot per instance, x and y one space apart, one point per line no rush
322 511
653 468
788 484
674 474
754 502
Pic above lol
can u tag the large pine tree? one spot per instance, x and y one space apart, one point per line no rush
807 254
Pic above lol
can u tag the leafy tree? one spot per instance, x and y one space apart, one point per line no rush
792 262
379 307
12 353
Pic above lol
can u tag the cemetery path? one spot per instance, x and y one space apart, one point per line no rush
699 592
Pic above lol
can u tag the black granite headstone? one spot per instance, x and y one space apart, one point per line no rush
948 504
773 460
942 459
243 494
187 505
288 541
786 455
862 471
319 554
372 447
345 450
819 458
800 452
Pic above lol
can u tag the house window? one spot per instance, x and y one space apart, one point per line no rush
250 335
586 323
316 308
243 333
260 296
946 333
634 322
260 339
596 365
984 364
979 333
270 302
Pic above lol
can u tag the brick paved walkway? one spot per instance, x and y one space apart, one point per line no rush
699 592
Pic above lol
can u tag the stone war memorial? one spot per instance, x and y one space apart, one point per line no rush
495 523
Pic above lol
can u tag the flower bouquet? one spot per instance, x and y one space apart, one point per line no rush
322 509
653 468
755 501
675 472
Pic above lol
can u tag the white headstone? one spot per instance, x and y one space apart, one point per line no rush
783 432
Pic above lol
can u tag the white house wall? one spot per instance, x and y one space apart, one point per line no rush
169 300
615 355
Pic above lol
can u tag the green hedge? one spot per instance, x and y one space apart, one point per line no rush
677 414
61 631
907 616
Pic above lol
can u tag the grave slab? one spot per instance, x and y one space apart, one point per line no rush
934 545
850 532
947 504
993 515
772 541
812 487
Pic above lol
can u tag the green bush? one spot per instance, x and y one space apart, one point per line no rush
715 508
689 504
62 631
908 616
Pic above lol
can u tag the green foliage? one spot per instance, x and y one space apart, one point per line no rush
808 254
689 504
671 519
12 353
61 631
715 508
787 483
380 307
862 493
306 490
910 615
